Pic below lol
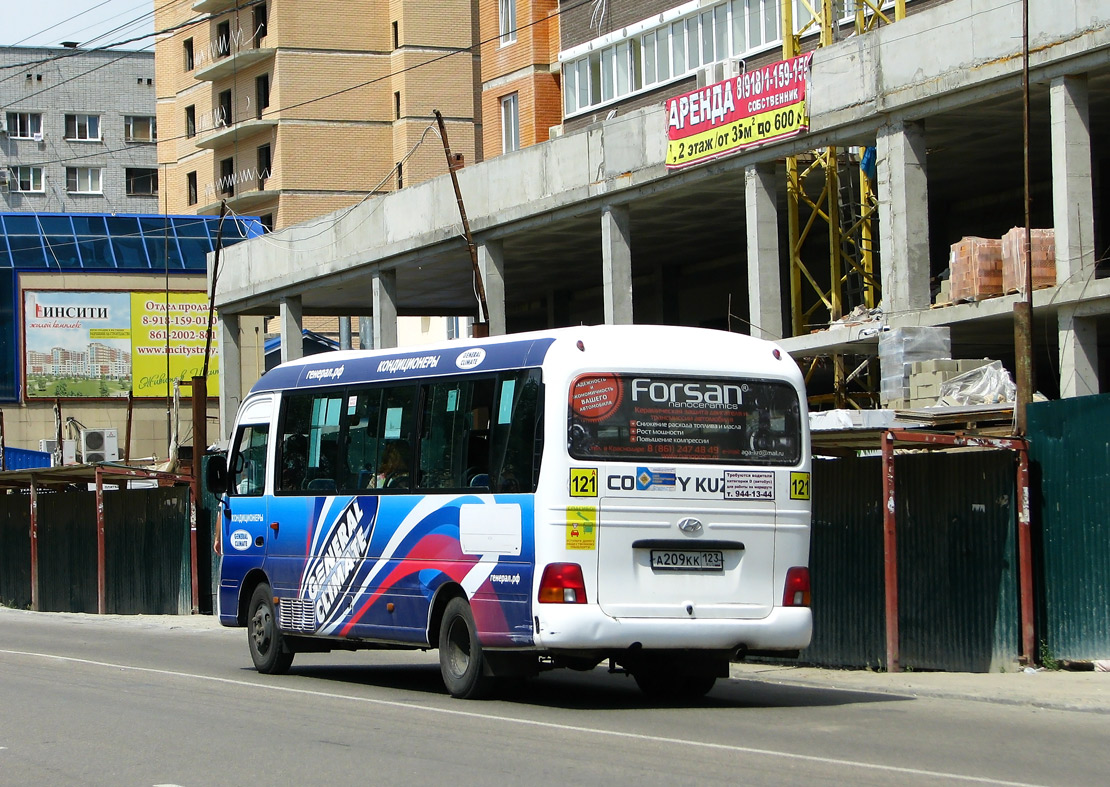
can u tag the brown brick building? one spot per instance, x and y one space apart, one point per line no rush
291 109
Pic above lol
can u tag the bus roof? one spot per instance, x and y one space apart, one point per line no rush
511 351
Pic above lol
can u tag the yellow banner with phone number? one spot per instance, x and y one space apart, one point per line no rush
745 132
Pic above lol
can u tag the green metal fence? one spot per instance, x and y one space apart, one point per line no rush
1069 451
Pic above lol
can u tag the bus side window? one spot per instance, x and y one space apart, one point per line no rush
378 429
516 436
454 444
248 464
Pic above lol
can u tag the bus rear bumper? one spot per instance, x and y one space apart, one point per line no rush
572 628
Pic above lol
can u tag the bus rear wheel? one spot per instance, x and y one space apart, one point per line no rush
269 651
461 661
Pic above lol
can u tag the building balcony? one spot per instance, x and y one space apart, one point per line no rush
225 135
243 202
212 6
228 65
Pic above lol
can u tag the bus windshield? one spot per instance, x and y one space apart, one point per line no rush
642 418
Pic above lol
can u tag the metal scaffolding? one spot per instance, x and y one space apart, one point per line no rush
828 190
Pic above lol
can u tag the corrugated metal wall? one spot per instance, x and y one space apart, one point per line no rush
957 572
1069 449
67 551
15 550
146 538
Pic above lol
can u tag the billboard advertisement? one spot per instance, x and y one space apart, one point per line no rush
758 106
103 344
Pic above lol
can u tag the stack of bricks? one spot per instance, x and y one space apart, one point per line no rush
926 377
976 266
1013 259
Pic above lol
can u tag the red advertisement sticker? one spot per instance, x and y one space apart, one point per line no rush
595 397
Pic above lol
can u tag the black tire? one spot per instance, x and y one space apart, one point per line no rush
668 687
461 661
269 651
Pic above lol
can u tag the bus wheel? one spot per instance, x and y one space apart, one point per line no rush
460 654
269 652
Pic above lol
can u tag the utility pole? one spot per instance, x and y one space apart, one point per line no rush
1023 309
481 325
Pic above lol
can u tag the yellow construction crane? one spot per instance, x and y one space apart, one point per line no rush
820 198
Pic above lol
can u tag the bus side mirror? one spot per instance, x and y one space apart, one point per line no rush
215 475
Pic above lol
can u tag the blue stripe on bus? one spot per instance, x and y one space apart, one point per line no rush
325 370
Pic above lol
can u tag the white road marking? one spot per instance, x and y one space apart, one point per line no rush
533 723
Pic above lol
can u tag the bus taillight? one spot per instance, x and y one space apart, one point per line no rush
562 583
797 587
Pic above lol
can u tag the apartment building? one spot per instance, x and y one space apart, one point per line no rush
290 110
77 131
521 97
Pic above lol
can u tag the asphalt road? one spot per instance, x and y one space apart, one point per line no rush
119 701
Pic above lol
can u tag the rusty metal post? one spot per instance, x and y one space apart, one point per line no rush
1025 559
130 414
3 445
35 596
101 561
890 556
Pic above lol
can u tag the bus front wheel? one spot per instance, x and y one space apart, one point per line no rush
461 661
269 652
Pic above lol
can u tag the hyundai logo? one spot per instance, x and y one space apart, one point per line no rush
689 525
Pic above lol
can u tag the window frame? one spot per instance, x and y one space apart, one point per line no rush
191 191
78 124
24 126
15 179
506 22
510 122
129 178
74 177
129 128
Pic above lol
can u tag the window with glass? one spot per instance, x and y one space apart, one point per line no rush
141 181
24 125
191 188
25 179
247 473
187 51
674 50
510 123
83 127
477 433
140 128
191 120
84 180
506 17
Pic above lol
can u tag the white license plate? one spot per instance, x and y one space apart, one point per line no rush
687 560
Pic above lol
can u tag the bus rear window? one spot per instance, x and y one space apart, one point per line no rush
695 419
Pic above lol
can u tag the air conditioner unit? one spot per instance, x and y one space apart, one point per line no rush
69 450
99 445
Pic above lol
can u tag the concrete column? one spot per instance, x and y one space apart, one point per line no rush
764 282
291 323
1072 193
345 333
231 372
903 190
1078 354
491 263
616 264
385 309
365 333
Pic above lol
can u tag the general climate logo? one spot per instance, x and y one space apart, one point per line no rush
332 572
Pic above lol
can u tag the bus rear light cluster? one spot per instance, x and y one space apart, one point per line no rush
562 583
797 587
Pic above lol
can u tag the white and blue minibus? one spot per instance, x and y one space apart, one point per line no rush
631 494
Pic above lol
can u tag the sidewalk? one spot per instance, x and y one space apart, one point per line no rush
1073 691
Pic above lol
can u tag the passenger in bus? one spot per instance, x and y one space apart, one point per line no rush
294 461
393 471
